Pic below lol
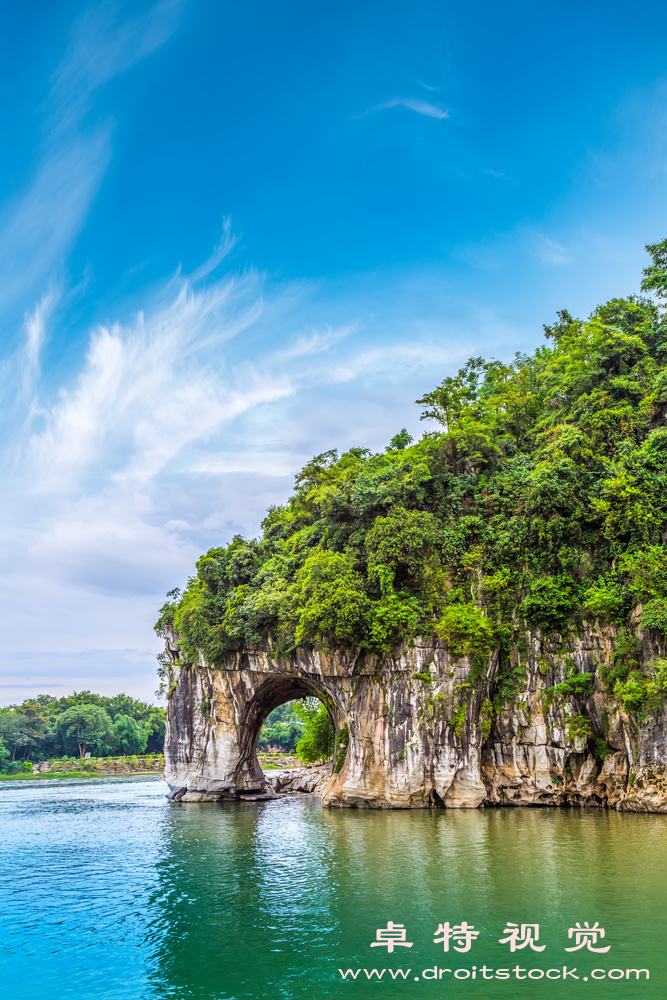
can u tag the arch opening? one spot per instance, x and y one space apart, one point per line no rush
281 690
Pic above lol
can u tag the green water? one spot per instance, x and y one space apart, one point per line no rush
108 891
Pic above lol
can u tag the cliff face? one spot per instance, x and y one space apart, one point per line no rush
424 729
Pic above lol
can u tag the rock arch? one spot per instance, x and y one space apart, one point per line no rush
215 714
393 759
275 690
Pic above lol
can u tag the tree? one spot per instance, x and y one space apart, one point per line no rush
23 731
130 737
400 441
317 742
4 755
655 275
155 730
85 729
283 713
284 735
330 604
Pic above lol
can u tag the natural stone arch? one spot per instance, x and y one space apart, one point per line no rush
215 713
394 757
278 689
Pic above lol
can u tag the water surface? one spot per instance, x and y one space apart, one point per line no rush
108 891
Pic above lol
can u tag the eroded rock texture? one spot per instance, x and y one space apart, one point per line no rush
311 780
424 730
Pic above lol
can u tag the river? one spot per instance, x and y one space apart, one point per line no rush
109 891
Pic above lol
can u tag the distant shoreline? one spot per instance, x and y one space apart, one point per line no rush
57 775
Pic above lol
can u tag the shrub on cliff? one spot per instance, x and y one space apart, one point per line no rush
465 630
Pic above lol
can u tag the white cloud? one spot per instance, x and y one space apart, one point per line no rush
316 342
148 391
39 224
417 105
35 324
35 335
104 43
549 251
268 463
84 499
221 251
398 359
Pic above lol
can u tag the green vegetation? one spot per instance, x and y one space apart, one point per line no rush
29 776
578 686
303 728
317 741
79 723
539 503
282 729
87 767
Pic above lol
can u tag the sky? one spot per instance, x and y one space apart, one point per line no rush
233 236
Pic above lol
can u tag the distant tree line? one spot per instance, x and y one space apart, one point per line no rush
282 729
77 724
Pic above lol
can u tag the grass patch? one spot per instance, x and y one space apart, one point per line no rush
70 774
57 774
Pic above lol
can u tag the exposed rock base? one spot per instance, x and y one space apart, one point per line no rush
421 732
311 780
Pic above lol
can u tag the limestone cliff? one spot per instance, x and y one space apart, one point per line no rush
425 729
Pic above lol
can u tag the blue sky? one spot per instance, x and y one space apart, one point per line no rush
235 235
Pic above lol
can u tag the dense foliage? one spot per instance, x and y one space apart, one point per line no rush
316 742
300 727
540 503
77 724
282 730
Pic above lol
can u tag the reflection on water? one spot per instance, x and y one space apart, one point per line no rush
108 891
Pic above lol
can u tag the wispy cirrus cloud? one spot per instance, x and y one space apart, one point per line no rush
220 253
40 222
550 251
35 327
105 41
316 342
87 508
149 390
417 105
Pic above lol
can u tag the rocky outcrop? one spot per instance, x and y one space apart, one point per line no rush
311 780
424 729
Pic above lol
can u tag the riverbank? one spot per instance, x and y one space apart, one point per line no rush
34 776
152 763
110 767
